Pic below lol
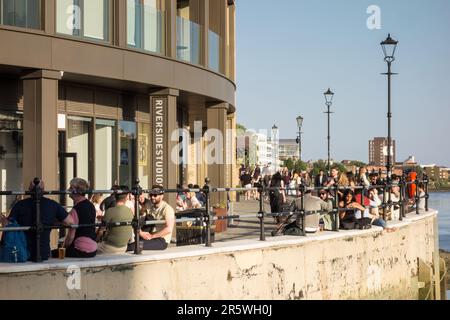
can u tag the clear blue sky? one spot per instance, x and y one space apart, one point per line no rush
287 58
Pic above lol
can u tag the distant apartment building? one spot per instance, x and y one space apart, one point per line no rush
378 151
288 149
436 173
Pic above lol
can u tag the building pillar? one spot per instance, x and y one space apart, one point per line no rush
232 166
163 106
170 7
231 52
120 28
224 33
49 16
40 146
216 149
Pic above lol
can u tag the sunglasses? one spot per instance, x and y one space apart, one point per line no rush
154 195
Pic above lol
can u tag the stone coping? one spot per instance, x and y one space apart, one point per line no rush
199 250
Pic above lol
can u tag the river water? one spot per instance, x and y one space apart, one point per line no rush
441 202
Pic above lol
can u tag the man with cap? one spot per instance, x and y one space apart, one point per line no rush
160 235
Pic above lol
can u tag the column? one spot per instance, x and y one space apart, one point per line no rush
204 23
231 71
224 27
170 7
163 106
120 27
40 146
216 148
232 167
49 16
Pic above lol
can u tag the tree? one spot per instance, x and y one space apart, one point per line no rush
358 164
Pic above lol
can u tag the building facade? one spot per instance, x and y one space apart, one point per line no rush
378 151
288 149
117 90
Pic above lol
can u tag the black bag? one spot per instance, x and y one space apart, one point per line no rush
292 229
364 223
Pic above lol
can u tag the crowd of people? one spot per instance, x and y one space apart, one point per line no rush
88 240
356 206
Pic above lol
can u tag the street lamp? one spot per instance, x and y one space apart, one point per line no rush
389 46
328 102
275 148
299 137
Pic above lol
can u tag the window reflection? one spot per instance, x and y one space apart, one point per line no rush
21 13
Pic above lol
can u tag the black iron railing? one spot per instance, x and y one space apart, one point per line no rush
206 220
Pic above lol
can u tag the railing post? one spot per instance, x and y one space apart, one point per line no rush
336 208
137 191
207 217
302 210
427 196
402 207
384 204
262 235
38 227
417 196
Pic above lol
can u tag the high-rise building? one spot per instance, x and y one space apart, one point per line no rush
378 151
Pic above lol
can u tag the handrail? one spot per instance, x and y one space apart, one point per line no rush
207 218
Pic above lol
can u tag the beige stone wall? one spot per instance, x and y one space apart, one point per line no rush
347 265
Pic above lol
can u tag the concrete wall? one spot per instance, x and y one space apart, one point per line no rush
365 264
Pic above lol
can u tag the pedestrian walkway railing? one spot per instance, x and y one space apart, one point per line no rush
208 218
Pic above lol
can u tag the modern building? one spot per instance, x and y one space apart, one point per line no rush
436 173
288 149
101 88
378 151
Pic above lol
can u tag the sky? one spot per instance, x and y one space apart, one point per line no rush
290 51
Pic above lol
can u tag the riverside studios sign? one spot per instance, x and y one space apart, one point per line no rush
160 110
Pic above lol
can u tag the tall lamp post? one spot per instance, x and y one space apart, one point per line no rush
328 102
389 46
275 148
299 137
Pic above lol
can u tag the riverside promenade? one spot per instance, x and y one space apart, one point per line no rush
354 264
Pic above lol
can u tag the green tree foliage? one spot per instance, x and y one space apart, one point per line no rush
295 165
358 164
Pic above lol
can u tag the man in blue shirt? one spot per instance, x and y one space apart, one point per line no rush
24 213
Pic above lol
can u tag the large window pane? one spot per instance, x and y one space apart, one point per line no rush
21 13
78 141
105 154
146 25
188 40
127 134
84 18
214 53
11 155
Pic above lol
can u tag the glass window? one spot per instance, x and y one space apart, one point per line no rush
78 141
11 155
105 154
146 25
127 135
213 52
188 32
21 13
83 18
144 155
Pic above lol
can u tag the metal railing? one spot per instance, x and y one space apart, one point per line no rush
206 220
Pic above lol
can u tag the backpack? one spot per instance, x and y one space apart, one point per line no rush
14 247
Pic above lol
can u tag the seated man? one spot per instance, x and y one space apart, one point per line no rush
160 235
24 214
116 239
314 207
